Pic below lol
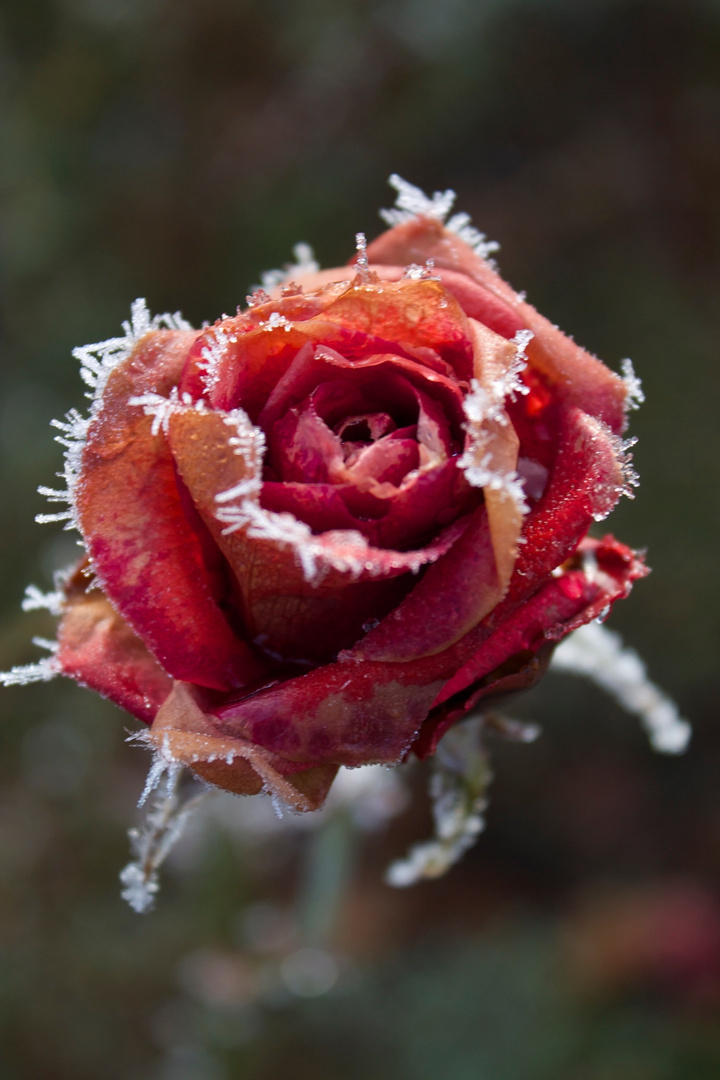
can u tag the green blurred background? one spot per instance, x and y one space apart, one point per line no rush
173 149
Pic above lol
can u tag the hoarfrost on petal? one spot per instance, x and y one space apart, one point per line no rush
599 654
486 404
633 385
97 362
43 671
412 202
161 408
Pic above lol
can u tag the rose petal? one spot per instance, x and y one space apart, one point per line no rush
98 649
303 596
576 376
492 446
242 364
584 485
476 301
186 734
453 596
343 713
143 550
601 573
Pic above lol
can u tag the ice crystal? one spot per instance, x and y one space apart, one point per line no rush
43 671
599 654
361 264
275 321
35 600
415 272
631 480
212 354
412 202
633 385
486 405
162 408
304 264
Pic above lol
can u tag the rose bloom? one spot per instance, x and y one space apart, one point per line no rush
325 529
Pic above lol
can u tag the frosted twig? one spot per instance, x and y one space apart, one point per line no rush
599 654
43 671
152 842
458 786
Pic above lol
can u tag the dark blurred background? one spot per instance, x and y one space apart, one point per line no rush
173 149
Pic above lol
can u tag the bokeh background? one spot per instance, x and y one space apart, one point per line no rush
173 149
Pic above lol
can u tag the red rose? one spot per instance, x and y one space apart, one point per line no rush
321 531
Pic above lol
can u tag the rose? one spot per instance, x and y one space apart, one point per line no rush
323 530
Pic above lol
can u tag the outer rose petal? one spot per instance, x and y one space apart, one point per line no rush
354 713
184 731
584 485
143 549
476 301
601 573
497 443
99 650
576 376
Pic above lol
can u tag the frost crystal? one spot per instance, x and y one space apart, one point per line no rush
599 654
161 408
97 362
151 844
212 355
483 405
45 670
361 264
415 272
35 600
631 479
458 790
304 264
635 395
412 202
